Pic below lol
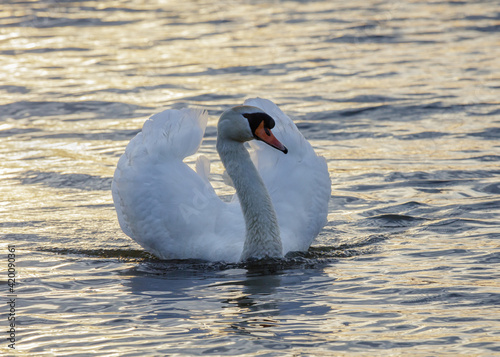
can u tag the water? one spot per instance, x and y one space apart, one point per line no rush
400 97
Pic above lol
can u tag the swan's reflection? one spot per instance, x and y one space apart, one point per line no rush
254 311
238 300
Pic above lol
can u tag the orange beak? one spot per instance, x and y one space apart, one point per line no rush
265 134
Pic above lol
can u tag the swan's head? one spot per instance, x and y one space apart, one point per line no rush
244 123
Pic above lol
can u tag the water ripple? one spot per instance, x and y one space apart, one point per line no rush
401 98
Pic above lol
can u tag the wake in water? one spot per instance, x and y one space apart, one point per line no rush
315 257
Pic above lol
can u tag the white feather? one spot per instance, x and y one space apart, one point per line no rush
299 183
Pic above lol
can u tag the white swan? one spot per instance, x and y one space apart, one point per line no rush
173 212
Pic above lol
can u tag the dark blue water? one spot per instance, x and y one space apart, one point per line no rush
400 97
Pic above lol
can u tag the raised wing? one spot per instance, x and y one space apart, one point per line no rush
163 204
298 182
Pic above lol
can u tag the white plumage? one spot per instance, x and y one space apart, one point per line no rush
174 212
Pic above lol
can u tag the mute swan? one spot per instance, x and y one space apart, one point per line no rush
281 199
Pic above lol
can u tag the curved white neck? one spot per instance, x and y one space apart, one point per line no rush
262 230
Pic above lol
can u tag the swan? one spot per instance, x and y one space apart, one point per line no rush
172 211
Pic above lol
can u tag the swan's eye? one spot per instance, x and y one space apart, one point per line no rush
270 123
255 119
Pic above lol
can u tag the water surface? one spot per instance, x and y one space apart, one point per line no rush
400 97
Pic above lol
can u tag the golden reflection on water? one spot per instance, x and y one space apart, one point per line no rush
79 79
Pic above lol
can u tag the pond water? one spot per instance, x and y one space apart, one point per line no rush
400 97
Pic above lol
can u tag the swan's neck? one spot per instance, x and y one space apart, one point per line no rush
262 230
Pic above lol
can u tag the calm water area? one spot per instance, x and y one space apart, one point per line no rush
402 98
